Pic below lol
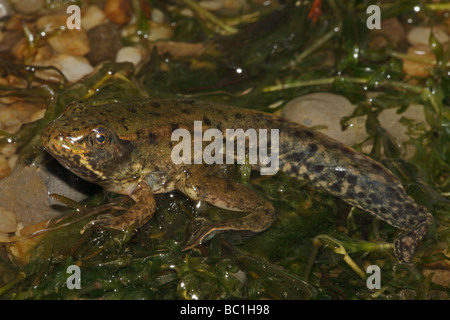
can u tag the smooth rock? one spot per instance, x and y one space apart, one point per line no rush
71 42
421 35
159 32
118 11
5 169
92 17
28 6
417 68
25 192
73 68
129 54
325 110
52 22
105 41
8 221
5 10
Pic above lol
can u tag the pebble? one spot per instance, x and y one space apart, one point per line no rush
325 110
420 35
5 169
8 221
225 7
51 22
9 39
12 161
14 115
71 42
8 149
159 32
74 68
105 41
391 29
118 11
28 6
129 54
92 17
5 10
416 68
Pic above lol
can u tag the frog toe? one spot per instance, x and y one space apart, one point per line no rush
201 235
107 221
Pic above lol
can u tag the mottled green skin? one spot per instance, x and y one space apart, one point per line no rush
136 161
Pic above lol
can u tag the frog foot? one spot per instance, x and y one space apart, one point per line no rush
202 234
406 243
107 221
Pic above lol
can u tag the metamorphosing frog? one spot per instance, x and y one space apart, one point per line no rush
127 149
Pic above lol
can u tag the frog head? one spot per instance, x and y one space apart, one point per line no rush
84 139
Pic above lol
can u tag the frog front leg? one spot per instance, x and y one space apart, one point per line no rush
141 212
227 195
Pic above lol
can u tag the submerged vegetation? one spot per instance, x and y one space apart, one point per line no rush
319 247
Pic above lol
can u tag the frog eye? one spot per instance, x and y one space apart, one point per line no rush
99 138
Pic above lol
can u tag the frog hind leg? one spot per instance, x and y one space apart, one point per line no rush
141 212
231 196
406 242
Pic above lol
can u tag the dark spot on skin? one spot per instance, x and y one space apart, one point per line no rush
375 198
340 174
207 121
377 167
336 187
409 207
298 156
352 179
318 168
188 101
393 193
174 126
123 120
394 215
310 134
361 195
77 158
383 210
152 138
350 194
230 187
312 148
293 170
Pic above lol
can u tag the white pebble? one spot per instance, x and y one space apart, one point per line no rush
421 35
93 17
157 15
73 68
129 54
326 110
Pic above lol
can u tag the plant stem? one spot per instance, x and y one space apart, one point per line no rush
209 16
